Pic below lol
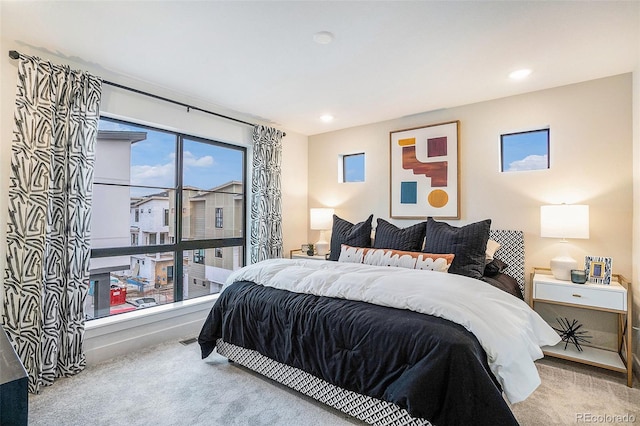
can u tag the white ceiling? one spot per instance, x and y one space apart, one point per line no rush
388 59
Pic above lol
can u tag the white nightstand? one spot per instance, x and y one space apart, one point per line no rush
298 254
615 298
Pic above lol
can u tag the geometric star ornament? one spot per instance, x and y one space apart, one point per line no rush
571 333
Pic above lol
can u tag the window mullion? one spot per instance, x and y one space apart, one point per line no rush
179 253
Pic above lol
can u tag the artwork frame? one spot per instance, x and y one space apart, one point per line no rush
424 172
598 269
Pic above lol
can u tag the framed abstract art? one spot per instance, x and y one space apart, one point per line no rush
424 172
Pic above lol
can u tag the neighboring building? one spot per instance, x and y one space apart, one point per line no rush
150 220
208 214
110 213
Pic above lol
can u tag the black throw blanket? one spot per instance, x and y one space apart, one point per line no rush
433 368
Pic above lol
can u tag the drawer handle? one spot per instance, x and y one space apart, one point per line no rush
576 295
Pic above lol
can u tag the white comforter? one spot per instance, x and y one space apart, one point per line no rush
510 332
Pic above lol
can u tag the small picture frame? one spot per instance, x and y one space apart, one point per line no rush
598 269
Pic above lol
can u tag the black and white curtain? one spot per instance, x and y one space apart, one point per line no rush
48 241
266 194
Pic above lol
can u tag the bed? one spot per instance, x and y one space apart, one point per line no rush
387 345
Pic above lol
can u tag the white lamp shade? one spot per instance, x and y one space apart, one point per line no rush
321 219
564 221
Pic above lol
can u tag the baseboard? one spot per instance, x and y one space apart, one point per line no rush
115 336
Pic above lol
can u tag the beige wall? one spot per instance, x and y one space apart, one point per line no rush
294 191
636 208
590 154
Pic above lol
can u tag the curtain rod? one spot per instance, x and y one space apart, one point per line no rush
13 54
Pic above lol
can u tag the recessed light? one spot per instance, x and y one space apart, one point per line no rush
327 118
520 74
323 37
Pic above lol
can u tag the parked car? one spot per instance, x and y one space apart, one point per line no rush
145 302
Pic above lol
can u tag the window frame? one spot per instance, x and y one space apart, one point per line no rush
219 218
504 136
343 167
179 245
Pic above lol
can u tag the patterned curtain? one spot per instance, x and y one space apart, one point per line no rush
48 241
266 196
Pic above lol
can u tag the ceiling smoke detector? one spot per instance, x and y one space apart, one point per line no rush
323 37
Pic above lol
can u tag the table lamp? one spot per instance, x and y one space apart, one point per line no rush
322 220
564 221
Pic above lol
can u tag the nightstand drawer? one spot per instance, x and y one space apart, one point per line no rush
584 295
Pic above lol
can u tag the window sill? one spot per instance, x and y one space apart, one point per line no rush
113 336
148 315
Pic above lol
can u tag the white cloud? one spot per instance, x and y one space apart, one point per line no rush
531 162
158 175
163 175
191 160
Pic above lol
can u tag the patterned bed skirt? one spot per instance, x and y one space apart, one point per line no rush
370 410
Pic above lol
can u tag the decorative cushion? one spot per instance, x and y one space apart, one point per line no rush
389 236
396 258
468 243
344 232
492 248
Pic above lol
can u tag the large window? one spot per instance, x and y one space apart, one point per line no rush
143 253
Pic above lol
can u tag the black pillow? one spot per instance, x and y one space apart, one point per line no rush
506 283
389 236
494 267
468 243
344 232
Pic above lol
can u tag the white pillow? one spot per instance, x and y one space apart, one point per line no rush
492 248
396 258
350 254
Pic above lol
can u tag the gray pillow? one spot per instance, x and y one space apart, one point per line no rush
344 232
468 243
389 236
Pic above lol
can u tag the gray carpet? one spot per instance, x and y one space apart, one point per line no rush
170 385
573 393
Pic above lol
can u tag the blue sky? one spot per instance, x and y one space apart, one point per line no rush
525 151
354 168
153 160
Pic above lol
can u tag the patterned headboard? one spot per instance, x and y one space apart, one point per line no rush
511 252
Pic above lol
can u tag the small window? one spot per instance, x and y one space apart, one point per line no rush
137 216
524 151
165 219
169 273
198 256
218 252
352 168
218 217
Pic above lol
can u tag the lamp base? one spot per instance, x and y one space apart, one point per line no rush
322 248
561 267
